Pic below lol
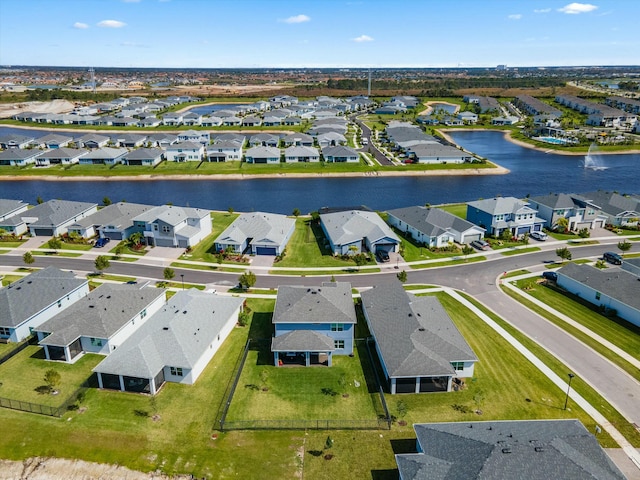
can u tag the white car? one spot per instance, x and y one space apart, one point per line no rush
541 236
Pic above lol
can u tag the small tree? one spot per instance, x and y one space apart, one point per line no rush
52 378
169 273
55 244
360 259
563 253
624 246
230 210
39 200
119 250
136 239
467 250
296 212
402 276
506 235
328 443
106 201
401 409
27 258
247 280
562 224
102 263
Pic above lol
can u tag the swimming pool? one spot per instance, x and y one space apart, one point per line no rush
552 140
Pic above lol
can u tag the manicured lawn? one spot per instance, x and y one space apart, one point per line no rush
458 261
58 253
6 348
307 248
70 246
457 209
24 373
205 250
128 251
8 279
106 276
518 251
8 244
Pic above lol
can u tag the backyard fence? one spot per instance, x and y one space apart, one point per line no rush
16 350
51 411
231 388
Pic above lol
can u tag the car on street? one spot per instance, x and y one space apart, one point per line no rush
541 236
101 242
553 276
480 245
382 256
612 257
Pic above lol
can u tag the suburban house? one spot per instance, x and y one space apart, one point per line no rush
60 156
294 154
15 141
434 227
504 213
579 211
312 324
103 156
298 140
148 157
262 155
438 153
194 136
506 449
330 139
264 140
171 226
339 154
17 157
468 117
620 210
53 217
224 150
93 140
130 140
27 303
362 230
53 141
185 152
174 345
419 346
612 289
99 322
114 221
257 233
10 219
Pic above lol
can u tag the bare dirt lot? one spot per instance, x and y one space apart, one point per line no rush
7 110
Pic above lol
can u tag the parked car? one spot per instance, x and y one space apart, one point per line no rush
541 236
382 256
553 276
101 242
481 245
612 257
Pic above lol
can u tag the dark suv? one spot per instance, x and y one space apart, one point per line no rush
612 257
382 256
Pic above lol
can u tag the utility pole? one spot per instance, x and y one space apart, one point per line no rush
369 87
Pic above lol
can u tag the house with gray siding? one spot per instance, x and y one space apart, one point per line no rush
32 300
114 221
340 154
434 227
506 449
10 216
579 212
504 213
53 217
185 152
148 157
17 157
60 156
257 233
270 155
103 156
294 154
312 324
99 322
173 226
363 230
174 345
419 347
620 210
612 288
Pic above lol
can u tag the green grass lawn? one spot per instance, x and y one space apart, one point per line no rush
457 209
518 251
458 261
205 250
128 251
8 244
6 348
24 373
70 246
9 279
106 276
57 253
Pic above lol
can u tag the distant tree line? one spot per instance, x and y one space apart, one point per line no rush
44 95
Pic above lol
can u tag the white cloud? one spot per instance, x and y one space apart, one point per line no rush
363 38
296 19
542 10
80 25
576 8
515 16
111 24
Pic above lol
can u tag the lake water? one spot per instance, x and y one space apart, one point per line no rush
444 106
532 172
208 109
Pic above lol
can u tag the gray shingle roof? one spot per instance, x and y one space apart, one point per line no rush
302 341
502 205
431 221
415 335
171 214
33 293
100 314
259 226
330 303
119 215
613 203
530 449
177 335
18 154
8 206
613 282
56 212
353 225
144 154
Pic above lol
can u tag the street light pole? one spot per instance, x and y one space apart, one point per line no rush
566 399
182 277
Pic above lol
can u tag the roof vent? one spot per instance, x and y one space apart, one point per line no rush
165 328
92 306
539 449
184 311
422 329
108 296
506 450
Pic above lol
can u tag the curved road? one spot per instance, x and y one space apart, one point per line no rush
477 279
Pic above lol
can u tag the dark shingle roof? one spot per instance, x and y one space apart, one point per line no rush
56 212
531 449
302 341
415 335
431 221
330 303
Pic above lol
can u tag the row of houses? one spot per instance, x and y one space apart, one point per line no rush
599 115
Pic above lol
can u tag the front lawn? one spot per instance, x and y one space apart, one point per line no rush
205 250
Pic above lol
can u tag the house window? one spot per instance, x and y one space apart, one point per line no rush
165 229
457 366
4 331
176 371
338 344
59 303
597 295
337 327
96 342
143 313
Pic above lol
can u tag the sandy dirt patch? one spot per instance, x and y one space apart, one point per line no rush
7 110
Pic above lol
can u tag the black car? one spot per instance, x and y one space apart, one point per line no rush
553 276
382 256
612 257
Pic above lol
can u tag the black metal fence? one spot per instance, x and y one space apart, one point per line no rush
51 411
19 347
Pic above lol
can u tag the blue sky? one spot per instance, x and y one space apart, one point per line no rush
318 33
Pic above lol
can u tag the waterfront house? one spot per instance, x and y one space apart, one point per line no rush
103 156
355 231
311 324
60 156
99 322
173 119
114 221
53 140
298 140
270 155
301 154
468 118
264 140
15 141
419 347
194 136
506 449
579 212
330 139
172 226
32 300
434 227
53 217
504 213
340 154
93 140
437 153
620 210
191 119
174 345
149 122
130 140
17 157
148 157
225 150
10 216
251 121
185 152
257 233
